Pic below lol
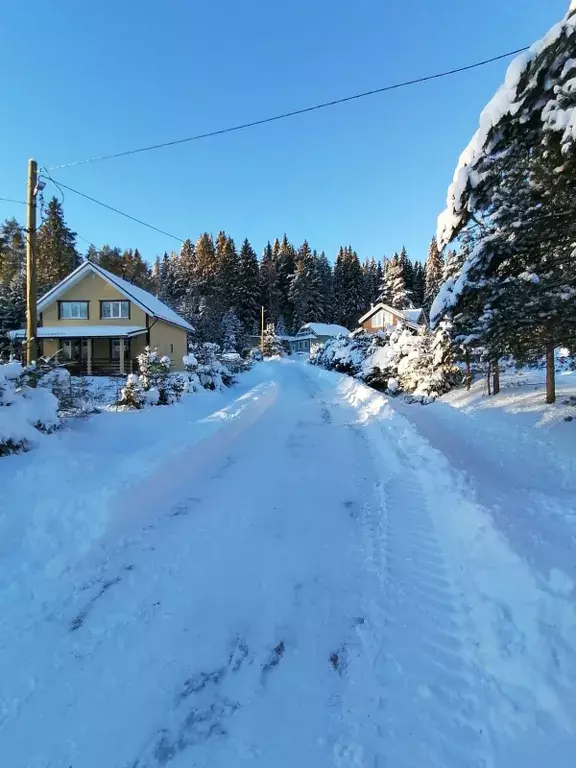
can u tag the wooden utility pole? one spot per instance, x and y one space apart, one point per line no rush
31 293
262 332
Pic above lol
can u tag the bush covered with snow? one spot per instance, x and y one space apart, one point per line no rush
211 372
396 361
24 410
156 384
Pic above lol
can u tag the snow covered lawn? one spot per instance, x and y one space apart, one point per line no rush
290 573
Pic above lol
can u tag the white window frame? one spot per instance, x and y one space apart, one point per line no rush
73 310
116 308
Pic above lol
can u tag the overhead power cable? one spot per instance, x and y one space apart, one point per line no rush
121 213
293 113
9 200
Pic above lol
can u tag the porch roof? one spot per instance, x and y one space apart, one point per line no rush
82 332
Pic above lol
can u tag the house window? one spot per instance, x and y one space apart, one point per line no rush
73 310
115 349
171 348
378 320
114 309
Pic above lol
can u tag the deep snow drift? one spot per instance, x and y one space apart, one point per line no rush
297 578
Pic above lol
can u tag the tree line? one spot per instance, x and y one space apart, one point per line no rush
220 288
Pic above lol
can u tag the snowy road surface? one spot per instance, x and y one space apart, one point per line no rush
311 581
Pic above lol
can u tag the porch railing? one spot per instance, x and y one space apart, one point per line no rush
100 367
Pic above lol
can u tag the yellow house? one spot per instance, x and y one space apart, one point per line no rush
100 323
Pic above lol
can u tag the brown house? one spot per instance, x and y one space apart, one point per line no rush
100 323
382 316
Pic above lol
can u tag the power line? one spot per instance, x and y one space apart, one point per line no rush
121 213
295 112
9 200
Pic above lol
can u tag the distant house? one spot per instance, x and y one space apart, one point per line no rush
315 333
382 316
100 323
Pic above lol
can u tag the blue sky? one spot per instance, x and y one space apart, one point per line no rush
107 76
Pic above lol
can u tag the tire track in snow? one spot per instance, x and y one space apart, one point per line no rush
415 698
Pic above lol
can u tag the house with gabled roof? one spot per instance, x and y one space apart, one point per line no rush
100 323
381 316
315 333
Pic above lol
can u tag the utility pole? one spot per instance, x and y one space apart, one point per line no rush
31 292
262 333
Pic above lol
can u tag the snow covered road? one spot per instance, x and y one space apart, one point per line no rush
307 582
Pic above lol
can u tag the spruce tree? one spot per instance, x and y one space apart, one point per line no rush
285 267
269 287
326 313
12 250
57 255
418 284
434 271
394 292
232 332
349 295
248 297
110 259
305 293
407 270
227 272
187 294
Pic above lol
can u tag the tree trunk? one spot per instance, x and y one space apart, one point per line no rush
488 375
496 378
468 371
550 374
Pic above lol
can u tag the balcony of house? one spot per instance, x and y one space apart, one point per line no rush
91 350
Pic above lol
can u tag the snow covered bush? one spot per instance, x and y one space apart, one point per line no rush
235 363
24 410
396 361
255 355
132 394
155 377
344 354
211 372
272 346
191 366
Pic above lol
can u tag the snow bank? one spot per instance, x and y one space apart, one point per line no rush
24 411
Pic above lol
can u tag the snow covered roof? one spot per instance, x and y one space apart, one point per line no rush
324 329
81 331
410 316
139 296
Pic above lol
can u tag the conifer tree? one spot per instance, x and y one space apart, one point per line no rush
187 295
227 272
418 284
57 255
285 267
434 271
349 296
326 308
305 293
394 291
232 332
110 259
407 270
248 299
269 288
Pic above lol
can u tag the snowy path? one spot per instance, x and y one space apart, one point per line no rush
310 584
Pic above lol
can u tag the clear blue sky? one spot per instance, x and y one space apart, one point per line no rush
83 79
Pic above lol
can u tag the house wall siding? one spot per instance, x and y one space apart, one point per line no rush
162 335
93 288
